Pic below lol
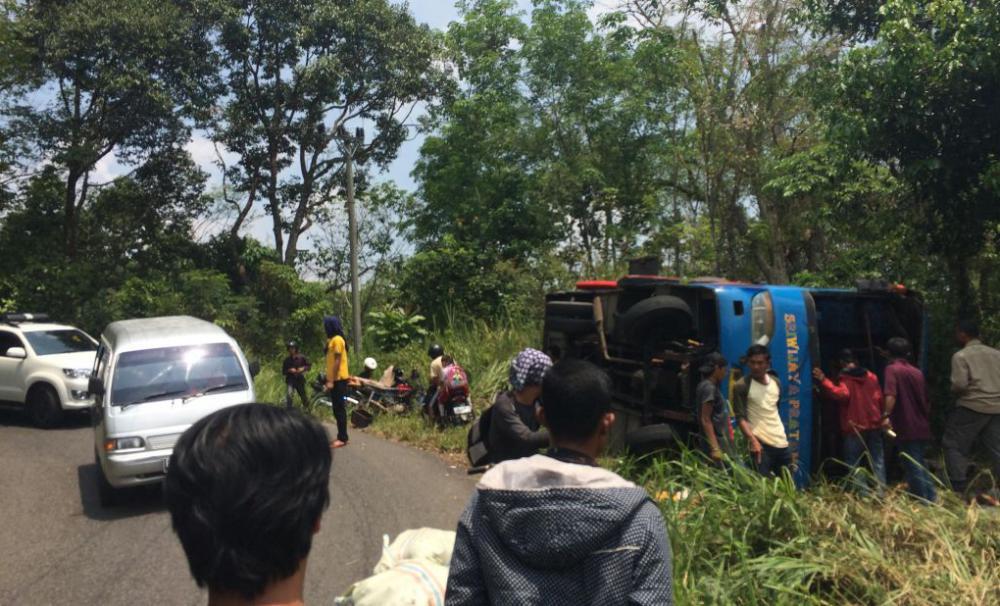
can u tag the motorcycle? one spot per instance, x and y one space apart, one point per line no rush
366 397
455 411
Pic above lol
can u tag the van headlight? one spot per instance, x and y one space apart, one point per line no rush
77 373
113 444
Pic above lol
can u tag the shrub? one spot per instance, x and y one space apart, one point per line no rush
392 328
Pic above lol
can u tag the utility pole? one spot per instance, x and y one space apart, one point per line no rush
351 145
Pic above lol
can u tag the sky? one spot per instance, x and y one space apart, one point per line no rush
437 14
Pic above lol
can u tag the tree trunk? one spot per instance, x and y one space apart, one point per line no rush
958 266
70 218
272 196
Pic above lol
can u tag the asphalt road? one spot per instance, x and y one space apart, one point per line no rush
58 546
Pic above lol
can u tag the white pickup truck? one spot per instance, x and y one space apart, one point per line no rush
44 367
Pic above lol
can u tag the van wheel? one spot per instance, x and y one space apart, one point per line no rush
650 439
107 495
44 407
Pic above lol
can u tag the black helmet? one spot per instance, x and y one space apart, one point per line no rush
435 351
291 345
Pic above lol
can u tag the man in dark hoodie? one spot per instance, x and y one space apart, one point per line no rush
337 375
555 528
857 394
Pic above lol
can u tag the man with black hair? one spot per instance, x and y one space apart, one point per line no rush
856 392
246 490
712 410
295 368
337 375
557 529
755 405
908 410
975 379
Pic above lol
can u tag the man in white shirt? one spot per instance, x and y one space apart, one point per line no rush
755 404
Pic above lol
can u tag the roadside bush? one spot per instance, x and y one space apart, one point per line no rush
392 328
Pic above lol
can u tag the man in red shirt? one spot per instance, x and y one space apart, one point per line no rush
909 410
857 394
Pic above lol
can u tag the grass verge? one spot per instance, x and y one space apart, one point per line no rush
742 539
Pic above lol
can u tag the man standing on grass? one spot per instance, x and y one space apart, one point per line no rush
975 379
295 368
857 394
908 411
556 529
712 410
755 405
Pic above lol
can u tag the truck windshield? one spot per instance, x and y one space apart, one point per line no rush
169 372
51 342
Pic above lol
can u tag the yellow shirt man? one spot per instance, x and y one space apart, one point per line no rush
336 360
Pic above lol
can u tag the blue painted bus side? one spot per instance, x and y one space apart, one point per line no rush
792 360
790 357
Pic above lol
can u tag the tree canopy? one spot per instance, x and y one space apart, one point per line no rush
807 141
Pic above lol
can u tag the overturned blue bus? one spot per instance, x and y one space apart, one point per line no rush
650 332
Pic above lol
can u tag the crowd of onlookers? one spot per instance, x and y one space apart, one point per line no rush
248 485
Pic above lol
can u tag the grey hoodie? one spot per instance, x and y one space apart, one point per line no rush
542 531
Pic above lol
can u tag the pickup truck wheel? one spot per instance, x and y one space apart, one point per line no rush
107 495
44 407
650 439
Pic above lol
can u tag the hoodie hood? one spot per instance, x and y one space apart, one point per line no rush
332 326
855 374
551 514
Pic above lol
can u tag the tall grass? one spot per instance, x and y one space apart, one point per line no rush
739 538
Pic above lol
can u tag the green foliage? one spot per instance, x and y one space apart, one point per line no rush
392 328
125 75
301 73
287 308
922 98
742 539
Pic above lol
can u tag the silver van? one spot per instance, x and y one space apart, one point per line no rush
152 379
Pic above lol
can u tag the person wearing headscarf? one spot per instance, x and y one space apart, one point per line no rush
515 431
337 375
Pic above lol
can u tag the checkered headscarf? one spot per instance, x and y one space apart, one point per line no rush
528 368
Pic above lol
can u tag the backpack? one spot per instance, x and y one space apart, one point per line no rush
454 384
477 445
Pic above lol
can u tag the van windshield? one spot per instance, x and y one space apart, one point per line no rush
176 372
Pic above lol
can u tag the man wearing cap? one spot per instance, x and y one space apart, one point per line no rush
515 431
294 369
711 409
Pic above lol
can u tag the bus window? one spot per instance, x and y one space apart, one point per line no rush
762 318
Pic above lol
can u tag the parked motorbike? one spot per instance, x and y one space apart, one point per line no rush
455 411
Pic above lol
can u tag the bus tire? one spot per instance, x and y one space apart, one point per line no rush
661 315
